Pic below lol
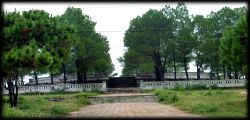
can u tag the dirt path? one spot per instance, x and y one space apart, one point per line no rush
130 110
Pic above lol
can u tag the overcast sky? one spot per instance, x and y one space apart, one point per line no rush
116 17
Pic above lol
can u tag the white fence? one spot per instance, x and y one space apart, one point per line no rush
171 84
61 87
143 85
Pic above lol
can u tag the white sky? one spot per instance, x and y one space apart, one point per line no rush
117 16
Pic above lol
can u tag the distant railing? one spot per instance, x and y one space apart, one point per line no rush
69 79
170 75
61 87
171 84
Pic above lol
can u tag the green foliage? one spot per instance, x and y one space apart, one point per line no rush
212 103
204 108
166 96
9 112
58 110
196 87
90 49
209 92
179 87
45 108
86 94
146 31
83 101
234 45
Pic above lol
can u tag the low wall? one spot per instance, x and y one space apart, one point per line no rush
61 87
143 85
171 84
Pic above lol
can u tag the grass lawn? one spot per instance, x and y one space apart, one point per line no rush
208 102
38 105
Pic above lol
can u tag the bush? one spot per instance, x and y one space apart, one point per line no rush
166 96
204 108
157 91
9 112
179 87
196 87
83 101
57 110
214 86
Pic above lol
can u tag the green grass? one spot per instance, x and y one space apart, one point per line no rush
37 105
207 102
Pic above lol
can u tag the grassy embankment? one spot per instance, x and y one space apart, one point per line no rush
206 101
38 105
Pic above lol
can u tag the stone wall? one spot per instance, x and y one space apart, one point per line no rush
143 85
171 84
61 87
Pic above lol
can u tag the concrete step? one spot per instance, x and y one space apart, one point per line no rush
123 90
122 98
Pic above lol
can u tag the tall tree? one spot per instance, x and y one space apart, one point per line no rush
152 30
26 46
219 20
90 51
203 40
185 38
233 47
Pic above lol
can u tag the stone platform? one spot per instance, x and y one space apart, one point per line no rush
122 98
123 90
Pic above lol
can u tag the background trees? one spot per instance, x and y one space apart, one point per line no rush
35 42
183 39
233 48
90 50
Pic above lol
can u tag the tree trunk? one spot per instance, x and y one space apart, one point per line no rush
185 66
158 66
79 75
218 76
64 73
229 75
35 75
13 91
16 94
11 97
174 66
51 78
84 71
84 76
198 72
235 75
224 72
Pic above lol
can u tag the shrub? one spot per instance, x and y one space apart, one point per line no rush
196 87
157 91
167 96
9 112
57 110
179 87
204 108
83 101
214 86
